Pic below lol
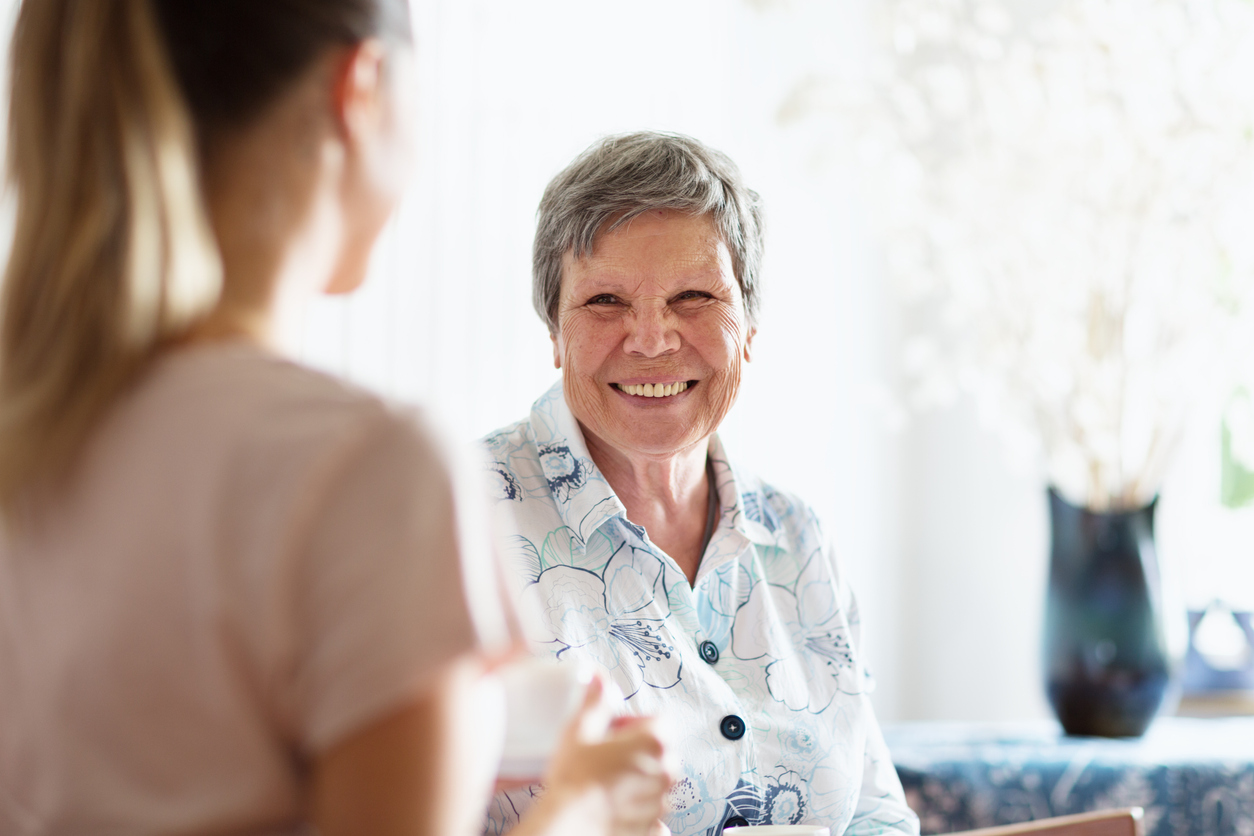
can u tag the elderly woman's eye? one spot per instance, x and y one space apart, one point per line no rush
603 299
693 294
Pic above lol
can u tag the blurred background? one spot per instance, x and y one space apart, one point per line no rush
866 126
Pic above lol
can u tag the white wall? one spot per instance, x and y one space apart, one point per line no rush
945 543
975 554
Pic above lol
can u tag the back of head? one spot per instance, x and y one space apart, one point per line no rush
113 105
624 176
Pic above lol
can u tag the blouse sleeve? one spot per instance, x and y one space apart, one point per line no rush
396 579
881 806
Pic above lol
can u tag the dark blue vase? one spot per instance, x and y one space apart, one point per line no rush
1107 666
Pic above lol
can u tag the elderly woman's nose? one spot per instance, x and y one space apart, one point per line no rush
651 331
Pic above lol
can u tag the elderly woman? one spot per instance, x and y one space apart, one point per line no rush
713 599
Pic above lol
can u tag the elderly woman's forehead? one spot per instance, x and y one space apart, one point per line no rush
655 222
694 233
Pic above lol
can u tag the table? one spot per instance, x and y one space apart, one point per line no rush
1194 777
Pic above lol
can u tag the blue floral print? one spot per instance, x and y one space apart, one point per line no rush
805 670
785 801
565 473
507 486
596 617
769 596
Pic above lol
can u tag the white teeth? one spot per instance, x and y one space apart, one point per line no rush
649 390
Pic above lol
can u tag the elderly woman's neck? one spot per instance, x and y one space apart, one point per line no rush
667 495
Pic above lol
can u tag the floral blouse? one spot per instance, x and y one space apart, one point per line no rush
755 671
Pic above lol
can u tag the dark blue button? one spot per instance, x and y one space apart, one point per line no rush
736 821
709 651
732 727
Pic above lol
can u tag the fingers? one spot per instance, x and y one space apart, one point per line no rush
640 800
592 696
637 800
653 758
513 652
622 759
636 750
592 722
625 721
506 784
617 765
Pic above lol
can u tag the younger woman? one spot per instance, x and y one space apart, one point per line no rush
234 593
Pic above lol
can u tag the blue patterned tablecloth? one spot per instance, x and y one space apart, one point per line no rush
1193 777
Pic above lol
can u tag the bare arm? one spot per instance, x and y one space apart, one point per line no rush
425 770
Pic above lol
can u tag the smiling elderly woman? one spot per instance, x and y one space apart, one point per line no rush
711 598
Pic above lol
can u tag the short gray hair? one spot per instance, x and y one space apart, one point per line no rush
623 176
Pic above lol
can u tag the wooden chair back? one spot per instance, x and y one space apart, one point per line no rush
1103 823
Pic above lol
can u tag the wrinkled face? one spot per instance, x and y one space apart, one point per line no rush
652 334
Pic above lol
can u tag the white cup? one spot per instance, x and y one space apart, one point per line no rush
779 830
541 695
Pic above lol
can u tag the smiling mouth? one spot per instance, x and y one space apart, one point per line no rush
649 390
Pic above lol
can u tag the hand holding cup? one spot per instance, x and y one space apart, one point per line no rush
603 773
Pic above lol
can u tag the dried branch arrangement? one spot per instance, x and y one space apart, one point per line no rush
1066 193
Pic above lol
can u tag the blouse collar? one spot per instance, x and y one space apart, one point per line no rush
585 501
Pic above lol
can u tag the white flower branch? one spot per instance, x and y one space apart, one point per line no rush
1065 193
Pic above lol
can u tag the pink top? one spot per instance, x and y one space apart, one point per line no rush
253 561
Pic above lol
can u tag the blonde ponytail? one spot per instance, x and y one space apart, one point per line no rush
112 255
